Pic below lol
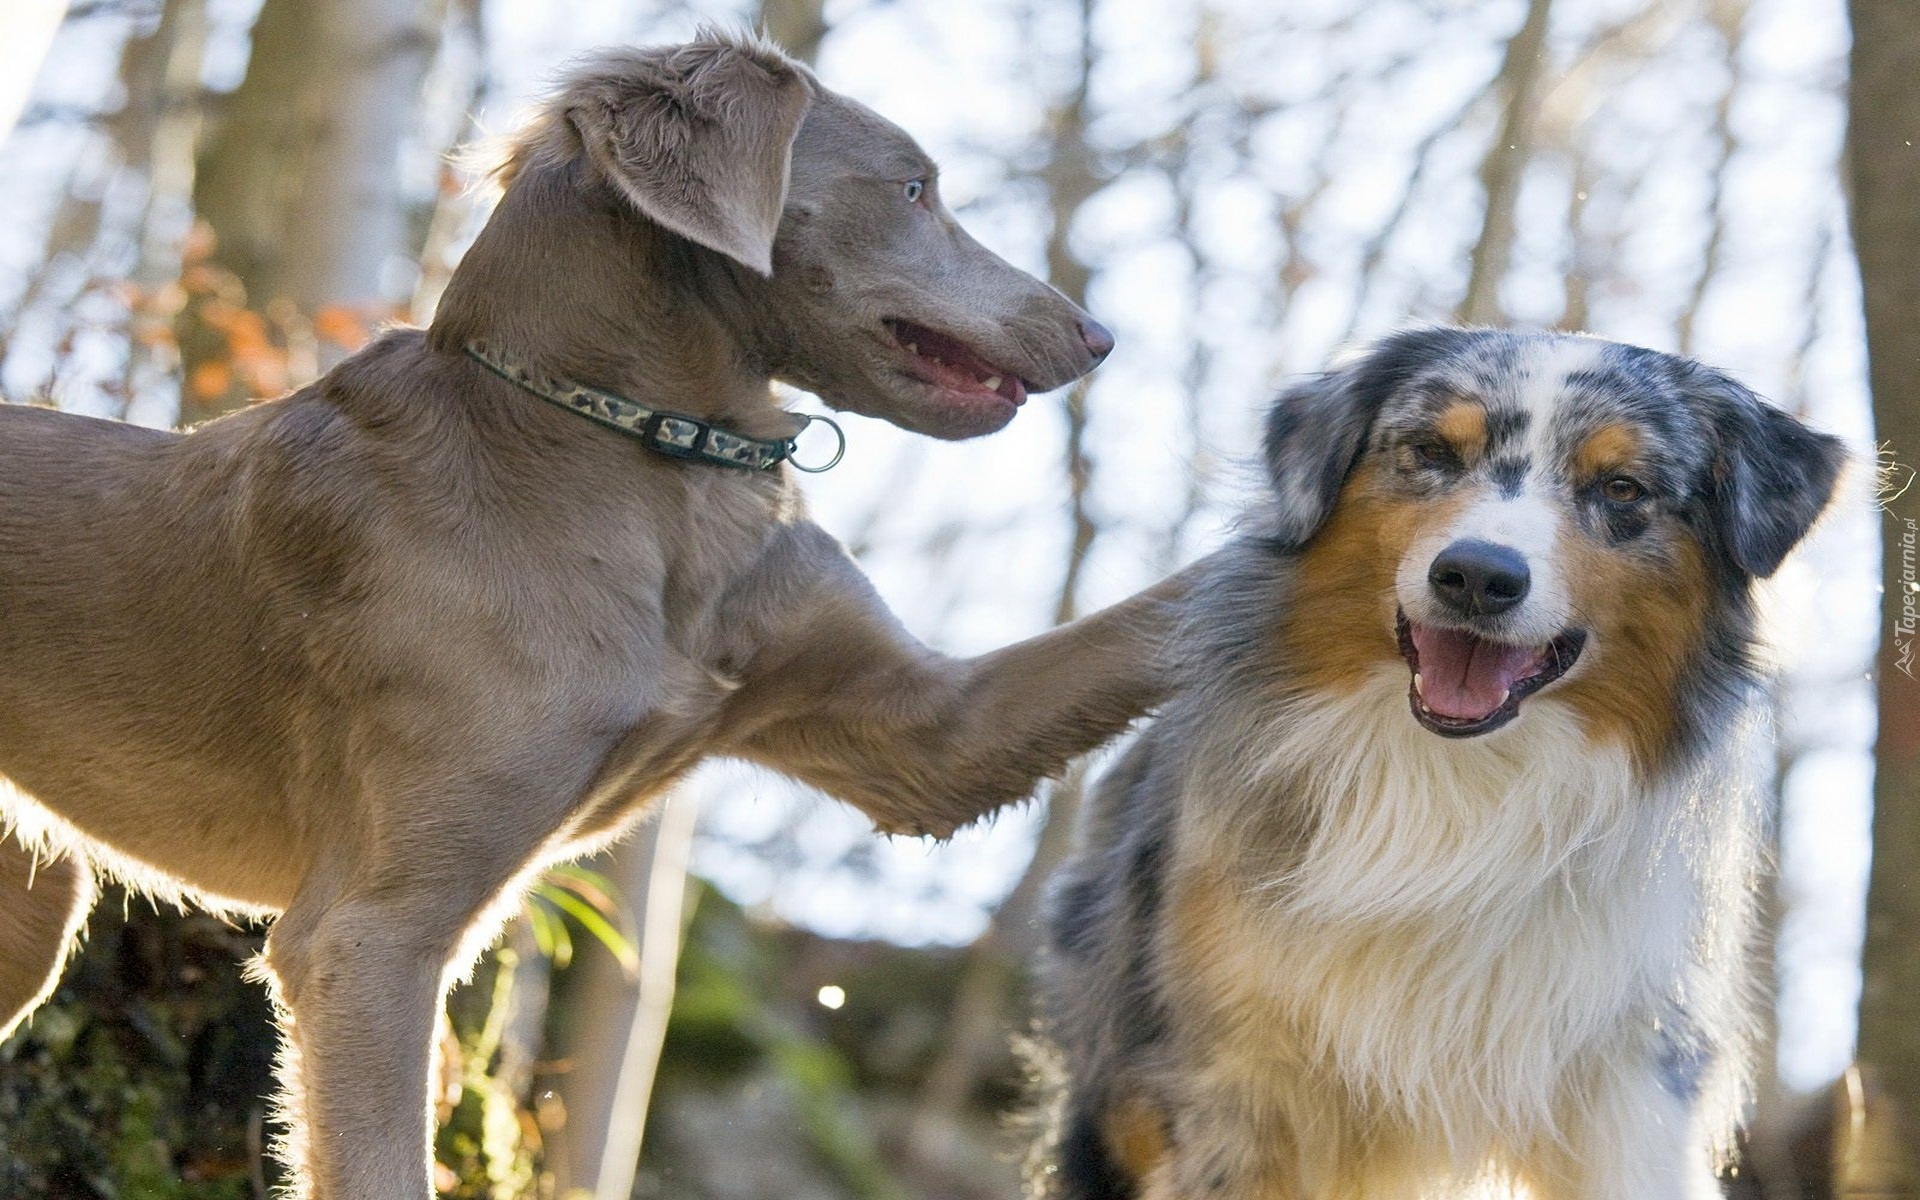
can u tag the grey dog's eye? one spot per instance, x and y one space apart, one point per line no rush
915 189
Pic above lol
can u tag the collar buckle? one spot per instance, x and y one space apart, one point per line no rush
840 451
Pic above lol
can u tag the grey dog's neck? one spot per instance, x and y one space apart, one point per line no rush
571 279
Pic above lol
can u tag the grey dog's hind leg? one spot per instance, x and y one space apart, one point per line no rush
42 904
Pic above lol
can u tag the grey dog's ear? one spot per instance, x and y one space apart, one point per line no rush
699 137
1317 429
1773 476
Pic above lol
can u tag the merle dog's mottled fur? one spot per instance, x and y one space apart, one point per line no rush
1309 949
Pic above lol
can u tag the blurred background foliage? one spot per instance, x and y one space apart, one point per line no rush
203 202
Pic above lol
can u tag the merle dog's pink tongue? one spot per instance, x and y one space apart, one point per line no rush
1466 677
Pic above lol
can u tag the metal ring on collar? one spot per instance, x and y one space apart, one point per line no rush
838 453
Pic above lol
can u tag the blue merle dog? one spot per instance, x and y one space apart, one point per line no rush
1434 880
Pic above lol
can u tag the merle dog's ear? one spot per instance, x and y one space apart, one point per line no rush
1315 433
699 137
1317 429
1772 478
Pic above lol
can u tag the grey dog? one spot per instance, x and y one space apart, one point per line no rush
371 656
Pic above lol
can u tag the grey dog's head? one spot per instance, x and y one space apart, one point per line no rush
845 272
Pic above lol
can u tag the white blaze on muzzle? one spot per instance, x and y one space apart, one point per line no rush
1531 525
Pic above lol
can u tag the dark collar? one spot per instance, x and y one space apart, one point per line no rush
672 434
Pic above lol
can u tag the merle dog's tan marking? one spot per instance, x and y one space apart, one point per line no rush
370 655
1434 876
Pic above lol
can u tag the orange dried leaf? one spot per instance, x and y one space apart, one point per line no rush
268 378
340 325
246 335
199 243
168 301
153 333
201 278
210 380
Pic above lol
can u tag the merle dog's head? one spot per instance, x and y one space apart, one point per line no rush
1515 514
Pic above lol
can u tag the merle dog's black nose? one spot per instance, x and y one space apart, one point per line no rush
1479 578
1098 337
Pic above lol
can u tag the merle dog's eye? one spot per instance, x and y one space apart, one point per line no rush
1623 489
915 189
1433 454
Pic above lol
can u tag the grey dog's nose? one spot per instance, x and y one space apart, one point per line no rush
1479 578
1097 337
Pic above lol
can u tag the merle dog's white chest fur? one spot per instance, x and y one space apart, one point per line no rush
1457 921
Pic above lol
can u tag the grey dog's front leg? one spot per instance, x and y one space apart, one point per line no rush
923 743
360 991
362 958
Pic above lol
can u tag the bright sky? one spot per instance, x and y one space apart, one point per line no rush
28 26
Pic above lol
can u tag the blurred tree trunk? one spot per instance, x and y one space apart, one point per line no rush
1878 1157
1886 227
616 1021
156 134
1071 180
301 185
299 192
798 25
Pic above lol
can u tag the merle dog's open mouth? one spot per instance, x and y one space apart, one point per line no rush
954 366
1465 685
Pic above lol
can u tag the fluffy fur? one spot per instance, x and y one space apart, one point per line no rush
1323 941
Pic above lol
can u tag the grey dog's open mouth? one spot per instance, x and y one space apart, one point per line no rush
1465 685
951 364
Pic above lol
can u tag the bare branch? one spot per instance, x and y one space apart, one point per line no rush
1729 18
1505 166
1375 251
1576 312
